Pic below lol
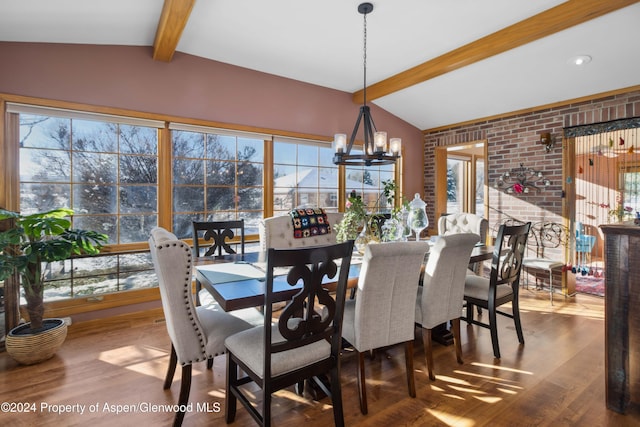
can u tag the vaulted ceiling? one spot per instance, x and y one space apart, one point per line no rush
431 63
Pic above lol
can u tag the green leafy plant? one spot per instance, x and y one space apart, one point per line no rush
36 239
391 191
354 217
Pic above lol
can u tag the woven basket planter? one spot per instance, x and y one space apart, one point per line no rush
28 349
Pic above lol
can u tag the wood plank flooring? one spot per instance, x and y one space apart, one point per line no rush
555 379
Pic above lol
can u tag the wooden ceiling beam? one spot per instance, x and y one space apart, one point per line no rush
561 17
174 17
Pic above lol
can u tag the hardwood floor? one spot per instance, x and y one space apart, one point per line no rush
555 379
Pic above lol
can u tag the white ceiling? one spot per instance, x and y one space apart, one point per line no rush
322 43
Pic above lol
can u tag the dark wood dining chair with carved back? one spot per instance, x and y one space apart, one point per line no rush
503 284
306 340
220 234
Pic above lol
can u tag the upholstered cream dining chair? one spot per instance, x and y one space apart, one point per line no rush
382 313
441 296
277 232
196 333
465 222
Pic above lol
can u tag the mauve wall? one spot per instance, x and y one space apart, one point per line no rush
192 87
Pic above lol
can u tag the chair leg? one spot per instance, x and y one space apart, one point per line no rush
455 328
515 307
336 396
171 369
362 391
408 356
428 351
185 387
551 285
232 379
198 288
210 363
470 312
266 405
493 326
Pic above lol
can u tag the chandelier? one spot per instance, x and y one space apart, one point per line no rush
375 150
522 180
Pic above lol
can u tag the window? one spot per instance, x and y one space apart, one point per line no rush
303 174
107 172
124 175
368 183
216 177
465 179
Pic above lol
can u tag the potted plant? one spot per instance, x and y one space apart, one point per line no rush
354 217
33 240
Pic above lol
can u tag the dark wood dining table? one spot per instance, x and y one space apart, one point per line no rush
235 293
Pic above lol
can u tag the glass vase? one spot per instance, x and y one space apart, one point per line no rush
417 219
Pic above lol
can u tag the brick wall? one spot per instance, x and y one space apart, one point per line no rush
514 140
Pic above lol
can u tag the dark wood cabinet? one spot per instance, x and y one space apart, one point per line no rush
622 315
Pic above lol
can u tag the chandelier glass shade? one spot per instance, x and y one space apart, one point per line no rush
376 149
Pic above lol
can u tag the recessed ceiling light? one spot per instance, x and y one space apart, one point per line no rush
579 60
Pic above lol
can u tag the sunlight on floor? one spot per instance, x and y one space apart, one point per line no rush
578 305
501 368
487 377
131 354
488 399
144 360
451 420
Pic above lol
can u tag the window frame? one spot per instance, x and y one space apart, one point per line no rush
10 182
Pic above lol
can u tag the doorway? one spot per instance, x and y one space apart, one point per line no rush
460 178
604 180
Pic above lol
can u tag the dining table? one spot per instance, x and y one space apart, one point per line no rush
237 281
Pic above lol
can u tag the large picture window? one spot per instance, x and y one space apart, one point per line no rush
216 177
124 175
107 172
304 174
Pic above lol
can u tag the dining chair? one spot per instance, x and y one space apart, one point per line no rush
547 235
584 246
220 233
464 222
306 340
441 296
381 314
503 283
196 333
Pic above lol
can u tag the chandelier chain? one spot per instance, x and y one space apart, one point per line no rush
364 59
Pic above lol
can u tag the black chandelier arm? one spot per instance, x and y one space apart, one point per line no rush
369 128
355 130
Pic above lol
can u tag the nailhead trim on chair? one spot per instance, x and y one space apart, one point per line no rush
187 295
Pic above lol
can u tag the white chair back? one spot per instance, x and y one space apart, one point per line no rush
386 294
442 295
172 263
277 232
463 223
